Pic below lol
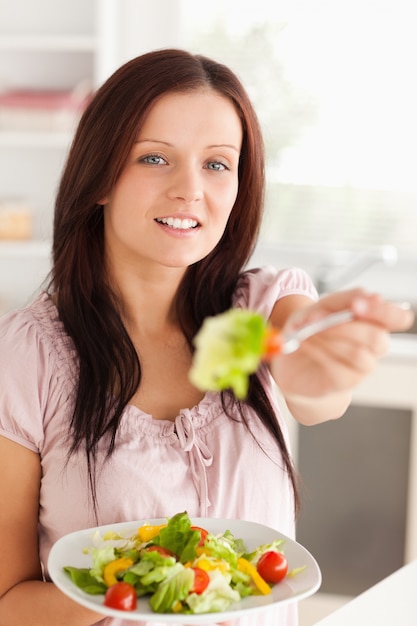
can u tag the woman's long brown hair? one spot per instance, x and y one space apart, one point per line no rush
109 368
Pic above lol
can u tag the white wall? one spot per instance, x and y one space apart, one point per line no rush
131 27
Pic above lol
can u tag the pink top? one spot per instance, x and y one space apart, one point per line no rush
204 462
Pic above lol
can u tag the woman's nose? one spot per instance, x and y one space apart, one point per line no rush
186 185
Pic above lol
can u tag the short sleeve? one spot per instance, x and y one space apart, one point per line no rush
258 289
24 380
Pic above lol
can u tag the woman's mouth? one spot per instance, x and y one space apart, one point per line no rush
177 223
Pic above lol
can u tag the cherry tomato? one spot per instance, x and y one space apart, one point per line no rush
162 551
121 596
272 566
203 534
201 580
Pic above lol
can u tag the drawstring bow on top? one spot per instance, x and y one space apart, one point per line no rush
200 456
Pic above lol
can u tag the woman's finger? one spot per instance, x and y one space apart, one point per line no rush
392 316
365 306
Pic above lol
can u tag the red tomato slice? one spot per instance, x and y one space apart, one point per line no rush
272 566
203 534
121 596
201 580
162 551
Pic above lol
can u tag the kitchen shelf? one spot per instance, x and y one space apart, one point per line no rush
35 139
54 46
57 46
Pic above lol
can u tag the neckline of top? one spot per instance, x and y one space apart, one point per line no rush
208 406
202 413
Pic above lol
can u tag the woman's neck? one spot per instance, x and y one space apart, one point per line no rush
148 299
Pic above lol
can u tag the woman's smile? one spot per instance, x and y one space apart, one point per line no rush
184 224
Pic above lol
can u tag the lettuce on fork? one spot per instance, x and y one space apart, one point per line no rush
229 347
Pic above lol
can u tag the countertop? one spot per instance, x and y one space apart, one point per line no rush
403 346
391 601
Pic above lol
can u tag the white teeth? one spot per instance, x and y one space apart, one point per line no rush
176 222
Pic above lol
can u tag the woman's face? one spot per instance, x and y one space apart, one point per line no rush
172 201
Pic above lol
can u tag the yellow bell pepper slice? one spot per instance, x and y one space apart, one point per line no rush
114 567
148 531
244 566
208 565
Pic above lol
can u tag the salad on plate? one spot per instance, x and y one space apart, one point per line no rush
178 568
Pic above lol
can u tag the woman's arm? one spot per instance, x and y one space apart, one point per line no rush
24 597
318 379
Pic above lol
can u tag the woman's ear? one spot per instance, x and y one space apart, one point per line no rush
103 201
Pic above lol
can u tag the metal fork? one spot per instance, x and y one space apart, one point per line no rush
292 340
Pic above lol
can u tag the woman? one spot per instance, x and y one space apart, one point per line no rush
157 213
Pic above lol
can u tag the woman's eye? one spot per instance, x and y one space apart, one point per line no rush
153 159
217 166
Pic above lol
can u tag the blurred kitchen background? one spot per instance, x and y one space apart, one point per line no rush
334 85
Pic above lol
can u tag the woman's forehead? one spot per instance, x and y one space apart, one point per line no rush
204 110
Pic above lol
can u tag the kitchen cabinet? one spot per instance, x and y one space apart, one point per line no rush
46 46
359 477
55 45
393 385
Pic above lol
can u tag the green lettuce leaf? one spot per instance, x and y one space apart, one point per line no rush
229 348
85 581
226 547
173 589
266 547
101 556
149 571
217 597
178 537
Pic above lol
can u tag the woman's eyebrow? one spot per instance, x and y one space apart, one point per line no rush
210 147
166 143
224 145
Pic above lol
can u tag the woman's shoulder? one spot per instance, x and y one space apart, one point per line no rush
36 371
35 328
259 288
37 314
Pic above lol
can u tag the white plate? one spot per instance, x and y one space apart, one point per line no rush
68 551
